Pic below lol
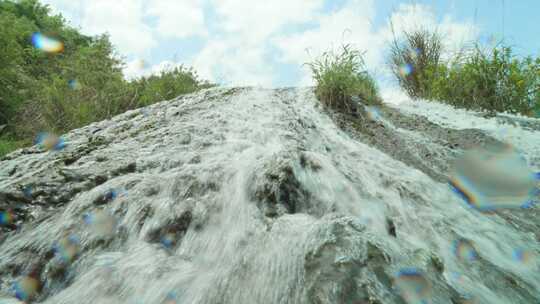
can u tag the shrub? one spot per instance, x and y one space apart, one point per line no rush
494 80
168 84
8 145
57 92
339 76
414 61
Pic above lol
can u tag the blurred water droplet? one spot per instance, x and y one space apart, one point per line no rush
468 299
464 250
170 299
413 286
47 44
74 84
101 223
373 113
7 218
140 64
168 240
67 248
489 179
26 288
27 191
48 142
110 195
415 53
145 112
525 257
406 69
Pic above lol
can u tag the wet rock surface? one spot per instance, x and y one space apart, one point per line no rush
255 196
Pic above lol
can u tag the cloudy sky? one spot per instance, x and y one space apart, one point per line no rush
266 42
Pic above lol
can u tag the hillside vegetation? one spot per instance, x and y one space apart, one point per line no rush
54 79
341 76
479 78
493 79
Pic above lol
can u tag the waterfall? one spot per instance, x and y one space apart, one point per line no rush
251 195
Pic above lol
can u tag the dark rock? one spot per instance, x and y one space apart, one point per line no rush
171 233
391 227
105 198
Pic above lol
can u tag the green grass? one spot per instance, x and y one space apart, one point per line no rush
58 92
341 75
489 79
493 79
414 61
8 145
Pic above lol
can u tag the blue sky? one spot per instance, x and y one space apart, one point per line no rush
266 42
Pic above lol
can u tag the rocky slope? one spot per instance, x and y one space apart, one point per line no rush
260 196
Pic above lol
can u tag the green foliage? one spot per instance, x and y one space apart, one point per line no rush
339 76
57 92
8 145
167 85
414 61
494 80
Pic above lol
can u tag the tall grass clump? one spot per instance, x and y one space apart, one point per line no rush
9 144
493 79
341 75
414 61
490 79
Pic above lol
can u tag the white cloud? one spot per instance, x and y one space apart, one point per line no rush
231 61
71 10
352 24
139 68
255 20
242 36
454 33
178 18
240 53
123 20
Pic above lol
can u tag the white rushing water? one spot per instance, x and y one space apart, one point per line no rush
257 196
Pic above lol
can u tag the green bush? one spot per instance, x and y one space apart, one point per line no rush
168 84
8 145
340 76
493 80
57 92
414 61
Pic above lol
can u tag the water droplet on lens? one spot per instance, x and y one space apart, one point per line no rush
525 257
48 142
74 84
47 44
406 69
168 240
413 286
490 179
26 288
6 218
101 223
67 248
170 299
373 113
464 250
468 299
27 191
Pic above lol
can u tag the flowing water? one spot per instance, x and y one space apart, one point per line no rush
262 196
